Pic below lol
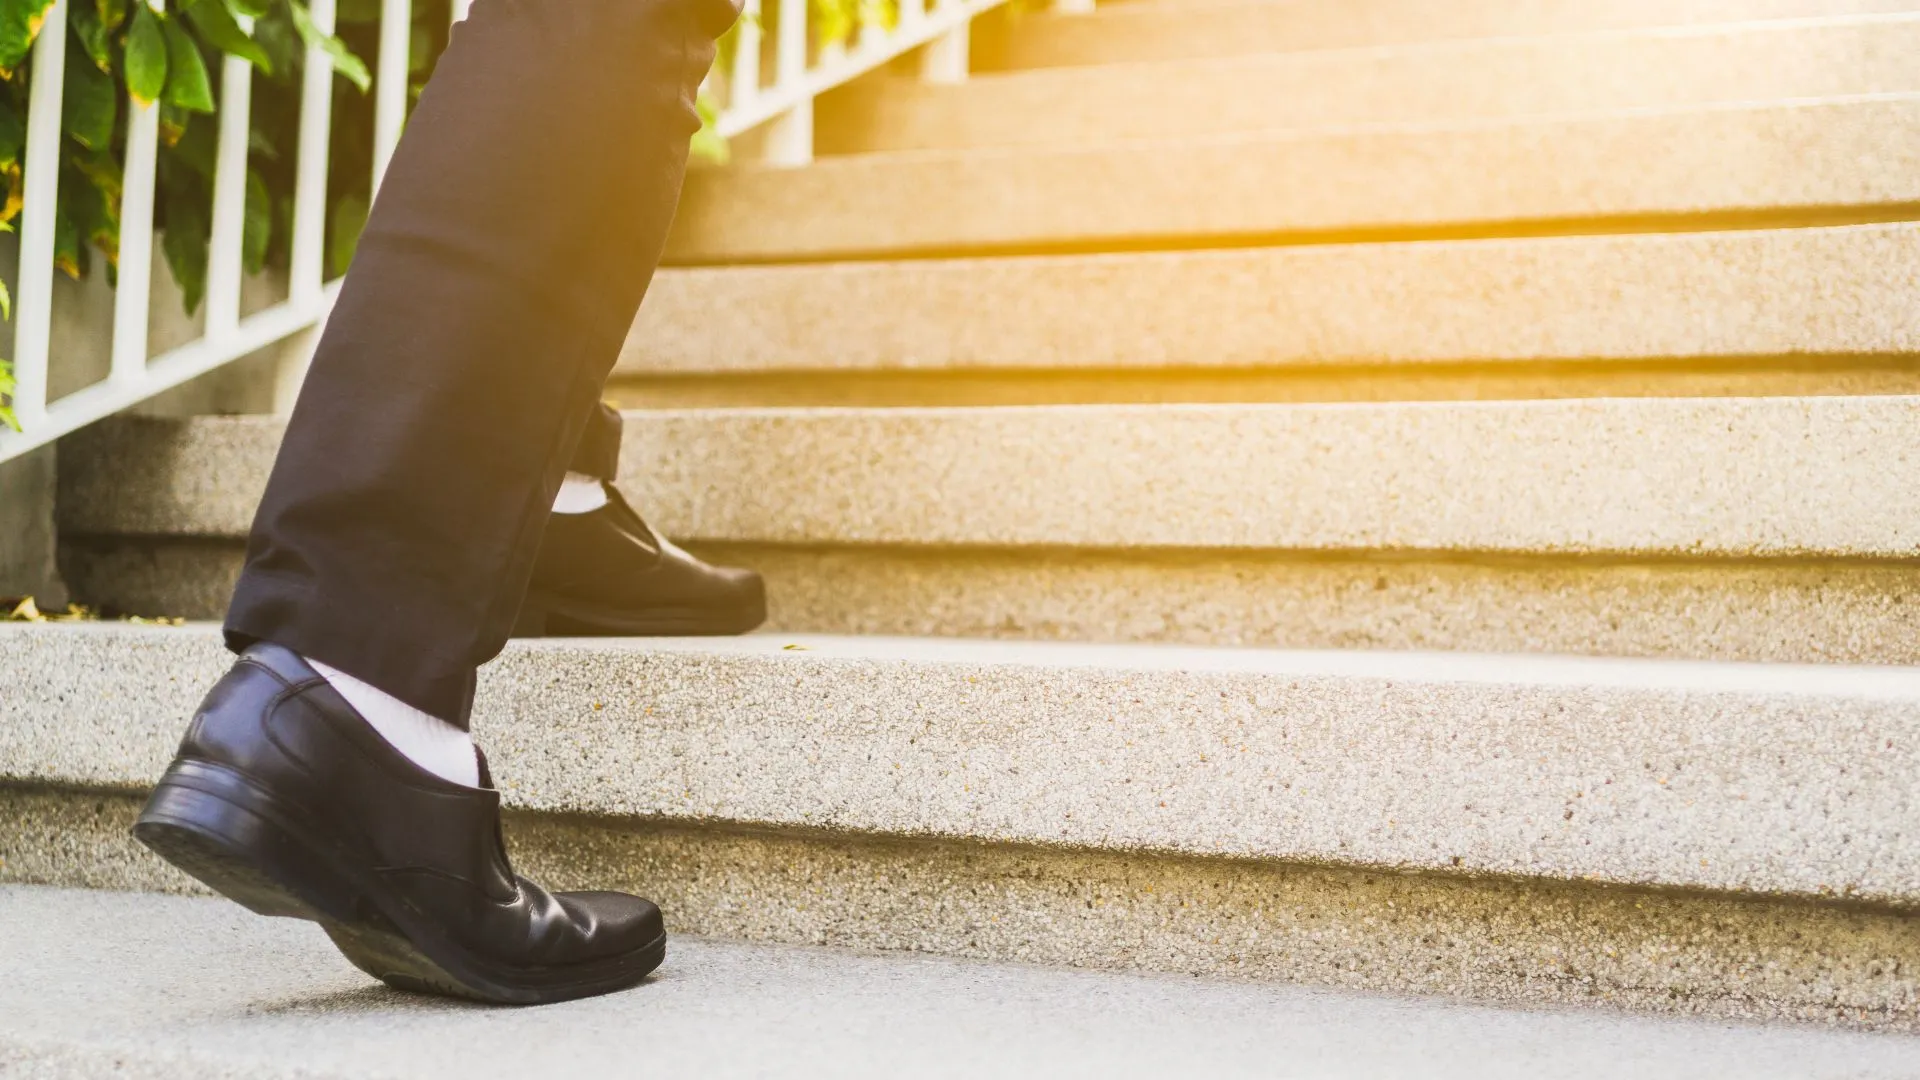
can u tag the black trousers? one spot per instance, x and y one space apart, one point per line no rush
519 224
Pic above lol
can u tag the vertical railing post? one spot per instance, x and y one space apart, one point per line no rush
133 287
947 59
790 137
309 245
390 84
308 250
33 314
225 238
744 85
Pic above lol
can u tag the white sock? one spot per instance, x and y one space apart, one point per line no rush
579 494
427 741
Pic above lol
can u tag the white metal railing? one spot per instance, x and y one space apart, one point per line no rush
802 69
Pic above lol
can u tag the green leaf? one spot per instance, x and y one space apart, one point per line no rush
91 197
111 13
15 194
197 148
216 24
257 228
187 82
92 34
175 122
13 133
349 218
7 384
834 20
420 52
184 243
882 13
707 143
7 417
67 255
350 67
146 56
101 169
91 102
250 8
260 144
20 22
275 35
6 302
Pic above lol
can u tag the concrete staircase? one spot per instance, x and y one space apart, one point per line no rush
1212 356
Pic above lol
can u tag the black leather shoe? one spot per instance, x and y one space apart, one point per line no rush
284 799
607 573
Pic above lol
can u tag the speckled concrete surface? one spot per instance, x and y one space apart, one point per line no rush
1839 613
207 990
1468 937
1859 154
1775 779
1785 292
1699 477
1431 82
1119 33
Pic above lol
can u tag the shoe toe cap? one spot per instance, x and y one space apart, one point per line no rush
615 922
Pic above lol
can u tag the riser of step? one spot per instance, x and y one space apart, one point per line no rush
151 987
1459 936
1821 478
1851 158
1802 293
1427 84
1747 611
1136 32
906 786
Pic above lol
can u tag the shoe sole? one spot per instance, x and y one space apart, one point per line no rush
543 615
217 825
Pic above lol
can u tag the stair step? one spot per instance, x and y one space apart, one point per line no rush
1209 28
1141 322
172 987
1703 477
1740 529
1633 772
1171 809
1429 83
1848 159
1752 611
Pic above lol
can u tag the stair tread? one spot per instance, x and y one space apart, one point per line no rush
166 987
1426 82
1690 775
1769 293
1698 478
1826 157
1227 28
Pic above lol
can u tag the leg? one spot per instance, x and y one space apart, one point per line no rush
519 225
500 270
604 571
598 454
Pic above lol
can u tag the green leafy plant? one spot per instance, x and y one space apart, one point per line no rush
121 48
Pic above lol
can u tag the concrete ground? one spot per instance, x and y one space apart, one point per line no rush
137 985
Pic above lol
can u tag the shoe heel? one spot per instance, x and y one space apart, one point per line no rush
216 825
